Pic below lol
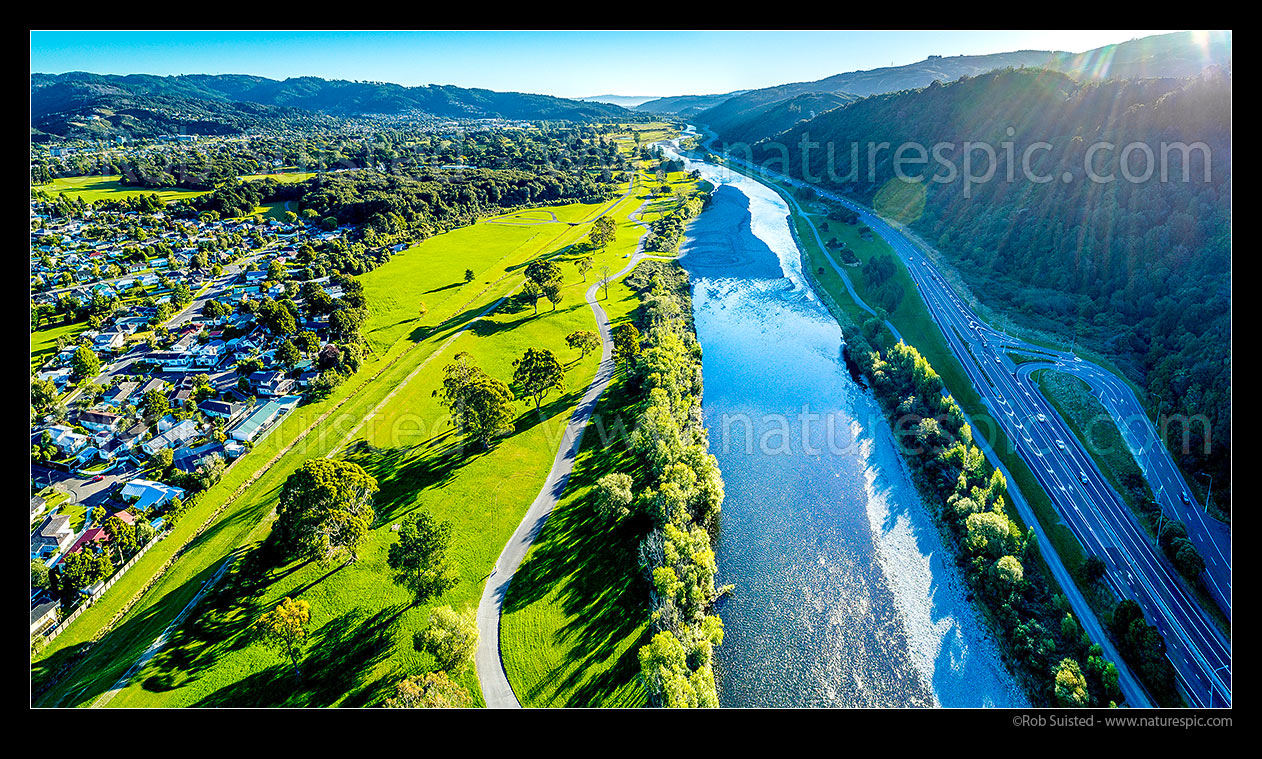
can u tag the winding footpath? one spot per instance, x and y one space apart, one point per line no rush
496 690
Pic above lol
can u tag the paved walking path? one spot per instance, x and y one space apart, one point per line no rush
490 665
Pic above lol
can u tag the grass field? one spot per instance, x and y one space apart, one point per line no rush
44 341
409 468
108 188
576 611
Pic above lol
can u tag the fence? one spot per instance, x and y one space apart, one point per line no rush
63 624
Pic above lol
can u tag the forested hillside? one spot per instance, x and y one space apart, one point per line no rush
740 115
1137 270
84 104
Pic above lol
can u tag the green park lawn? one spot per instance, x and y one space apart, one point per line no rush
576 611
394 384
109 188
44 341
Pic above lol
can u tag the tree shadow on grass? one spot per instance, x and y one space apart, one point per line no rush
402 473
594 568
344 651
78 674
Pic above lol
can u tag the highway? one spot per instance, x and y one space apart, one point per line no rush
1086 503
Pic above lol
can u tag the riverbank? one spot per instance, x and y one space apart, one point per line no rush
845 595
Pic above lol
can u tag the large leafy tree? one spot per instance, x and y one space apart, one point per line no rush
419 558
626 344
80 570
584 341
84 364
325 510
537 373
479 404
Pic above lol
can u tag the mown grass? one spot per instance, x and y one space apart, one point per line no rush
109 188
44 341
244 524
576 611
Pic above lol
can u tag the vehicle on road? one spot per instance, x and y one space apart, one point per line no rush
97 478
1042 417
1060 444
1083 476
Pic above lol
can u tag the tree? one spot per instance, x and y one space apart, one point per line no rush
613 496
626 344
307 341
1093 568
584 265
533 292
84 364
537 373
122 536
604 231
419 558
584 341
432 690
39 575
325 510
1070 685
43 394
1009 571
606 276
479 404
451 638
468 275
542 271
552 291
288 355
81 570
285 628
161 460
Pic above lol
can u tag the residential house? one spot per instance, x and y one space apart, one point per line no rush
52 536
150 494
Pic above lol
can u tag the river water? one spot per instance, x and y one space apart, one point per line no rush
844 593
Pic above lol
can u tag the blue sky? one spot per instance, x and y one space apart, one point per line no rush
568 64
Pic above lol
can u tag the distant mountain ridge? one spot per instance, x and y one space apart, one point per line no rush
626 101
60 101
742 115
754 114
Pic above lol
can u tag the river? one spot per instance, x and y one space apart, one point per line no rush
845 595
